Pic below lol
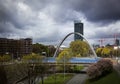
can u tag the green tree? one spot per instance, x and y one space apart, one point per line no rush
51 50
98 51
41 70
65 55
39 48
5 58
33 58
106 52
37 68
116 52
79 48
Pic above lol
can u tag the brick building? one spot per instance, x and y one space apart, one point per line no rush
15 47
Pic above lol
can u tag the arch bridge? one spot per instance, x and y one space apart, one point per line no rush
56 52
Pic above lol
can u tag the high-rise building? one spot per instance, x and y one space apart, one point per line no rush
78 27
15 47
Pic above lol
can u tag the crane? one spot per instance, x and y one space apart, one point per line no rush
101 42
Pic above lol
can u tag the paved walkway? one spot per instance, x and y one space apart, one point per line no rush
78 78
117 68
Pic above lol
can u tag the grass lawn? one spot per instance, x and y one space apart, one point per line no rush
78 67
59 79
112 78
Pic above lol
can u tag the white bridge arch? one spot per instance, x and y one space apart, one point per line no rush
56 52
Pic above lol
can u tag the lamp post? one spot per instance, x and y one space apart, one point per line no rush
118 54
64 67
116 48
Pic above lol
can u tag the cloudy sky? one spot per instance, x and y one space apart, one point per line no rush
49 21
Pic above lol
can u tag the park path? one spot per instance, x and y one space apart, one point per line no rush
78 78
117 68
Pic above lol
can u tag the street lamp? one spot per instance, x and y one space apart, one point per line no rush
64 61
116 48
118 54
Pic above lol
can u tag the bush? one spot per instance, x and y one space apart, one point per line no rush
93 71
69 68
105 66
5 58
60 68
3 76
102 67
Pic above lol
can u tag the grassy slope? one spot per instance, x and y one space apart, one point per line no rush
112 78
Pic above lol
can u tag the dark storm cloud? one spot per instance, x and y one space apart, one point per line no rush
38 4
59 12
101 11
103 35
94 10
7 14
30 16
97 10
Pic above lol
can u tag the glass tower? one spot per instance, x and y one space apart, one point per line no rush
78 27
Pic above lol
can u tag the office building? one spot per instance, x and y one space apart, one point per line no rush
78 27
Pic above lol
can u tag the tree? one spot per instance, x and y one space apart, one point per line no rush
51 50
116 52
106 51
33 58
41 70
3 75
98 51
65 55
79 48
17 72
5 58
36 66
39 48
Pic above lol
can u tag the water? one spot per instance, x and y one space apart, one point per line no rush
74 60
84 60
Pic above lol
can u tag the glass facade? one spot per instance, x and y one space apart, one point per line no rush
78 27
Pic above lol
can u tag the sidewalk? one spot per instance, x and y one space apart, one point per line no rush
78 78
117 68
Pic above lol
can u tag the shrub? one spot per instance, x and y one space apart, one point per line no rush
102 67
93 71
5 58
3 76
60 68
105 66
